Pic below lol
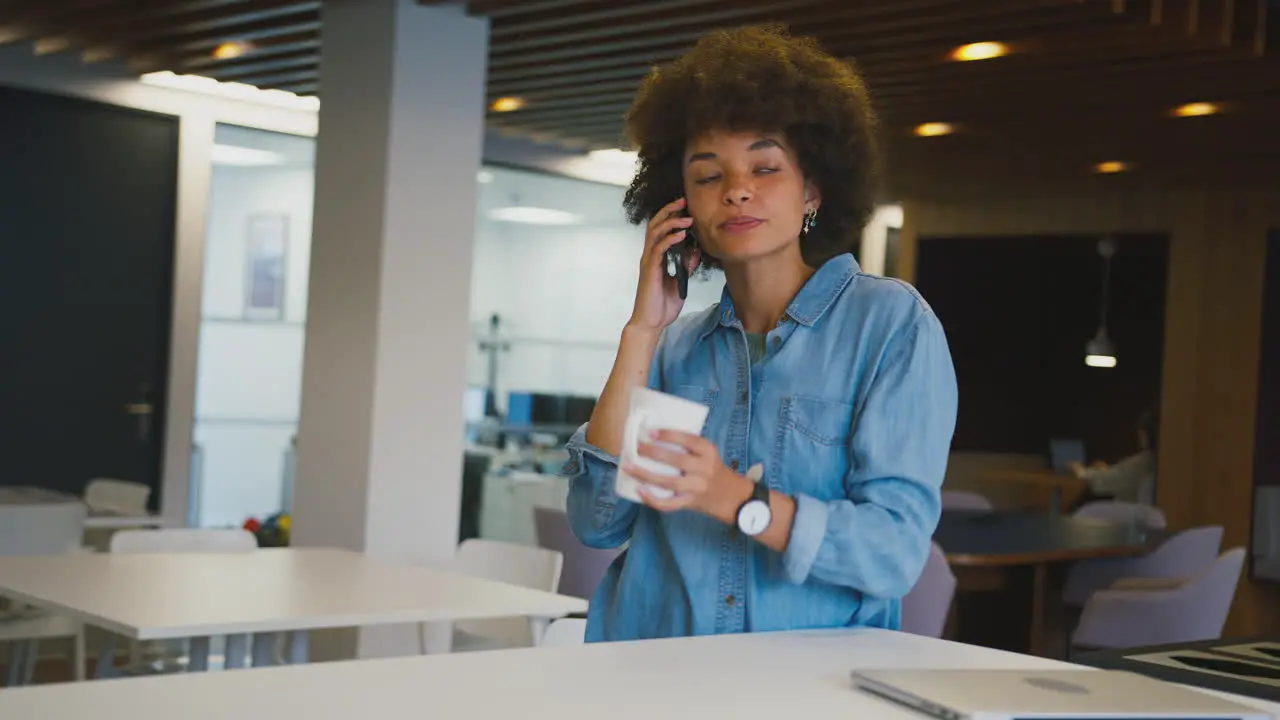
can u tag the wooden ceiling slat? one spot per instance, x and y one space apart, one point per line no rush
251 31
201 60
250 64
1087 78
123 35
666 48
497 9
283 79
854 20
651 17
575 80
302 88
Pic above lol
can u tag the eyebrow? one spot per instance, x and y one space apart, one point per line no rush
762 144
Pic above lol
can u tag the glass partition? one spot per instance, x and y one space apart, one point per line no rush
253 322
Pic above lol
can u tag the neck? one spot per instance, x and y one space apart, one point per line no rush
763 288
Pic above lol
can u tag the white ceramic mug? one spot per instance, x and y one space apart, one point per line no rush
652 410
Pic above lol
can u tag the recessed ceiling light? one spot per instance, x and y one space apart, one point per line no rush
50 45
506 104
614 155
534 216
979 51
934 129
1111 167
229 50
484 177
1197 109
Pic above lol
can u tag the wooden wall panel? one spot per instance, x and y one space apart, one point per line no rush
1212 328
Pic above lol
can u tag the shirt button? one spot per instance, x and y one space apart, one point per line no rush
730 600
734 464
777 340
742 397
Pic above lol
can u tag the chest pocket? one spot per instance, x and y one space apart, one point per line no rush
704 396
812 453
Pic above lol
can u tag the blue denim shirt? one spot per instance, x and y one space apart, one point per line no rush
851 412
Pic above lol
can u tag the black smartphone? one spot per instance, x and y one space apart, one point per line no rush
675 262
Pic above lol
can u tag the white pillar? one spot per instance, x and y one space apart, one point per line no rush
381 432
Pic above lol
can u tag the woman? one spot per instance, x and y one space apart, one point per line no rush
760 150
1132 479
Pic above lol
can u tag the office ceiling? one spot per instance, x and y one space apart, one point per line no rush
1084 82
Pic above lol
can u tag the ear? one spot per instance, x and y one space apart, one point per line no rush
812 196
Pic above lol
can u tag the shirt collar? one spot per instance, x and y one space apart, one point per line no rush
809 305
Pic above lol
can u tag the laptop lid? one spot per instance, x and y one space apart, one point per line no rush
1028 695
1063 452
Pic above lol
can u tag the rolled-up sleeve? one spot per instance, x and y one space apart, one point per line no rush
877 539
597 515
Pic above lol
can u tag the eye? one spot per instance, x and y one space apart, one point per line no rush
767 170
706 180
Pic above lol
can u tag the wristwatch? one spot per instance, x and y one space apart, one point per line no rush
754 515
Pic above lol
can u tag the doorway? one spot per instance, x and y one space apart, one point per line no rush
87 195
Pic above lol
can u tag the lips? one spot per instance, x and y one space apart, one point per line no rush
741 224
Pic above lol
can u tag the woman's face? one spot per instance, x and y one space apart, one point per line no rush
746 194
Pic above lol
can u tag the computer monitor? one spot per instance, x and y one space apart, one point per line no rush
578 409
520 408
548 409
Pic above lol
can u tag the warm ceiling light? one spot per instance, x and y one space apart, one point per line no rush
934 129
229 50
1111 166
50 45
1196 109
506 104
979 51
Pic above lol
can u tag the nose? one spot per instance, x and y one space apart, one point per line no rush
739 189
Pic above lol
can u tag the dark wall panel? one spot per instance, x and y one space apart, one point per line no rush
1018 312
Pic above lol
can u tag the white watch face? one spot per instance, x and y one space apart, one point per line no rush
754 517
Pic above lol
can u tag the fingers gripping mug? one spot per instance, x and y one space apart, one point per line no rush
652 410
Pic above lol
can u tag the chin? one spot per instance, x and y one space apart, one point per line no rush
743 249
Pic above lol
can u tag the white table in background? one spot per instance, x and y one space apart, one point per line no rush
162 596
111 520
744 677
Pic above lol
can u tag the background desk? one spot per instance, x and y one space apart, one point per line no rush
983 548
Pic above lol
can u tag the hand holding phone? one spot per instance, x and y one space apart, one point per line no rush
670 248
676 267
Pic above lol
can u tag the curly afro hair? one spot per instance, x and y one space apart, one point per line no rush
762 79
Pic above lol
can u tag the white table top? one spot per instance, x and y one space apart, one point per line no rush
271 590
745 677
114 521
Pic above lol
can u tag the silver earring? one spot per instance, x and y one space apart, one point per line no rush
810 221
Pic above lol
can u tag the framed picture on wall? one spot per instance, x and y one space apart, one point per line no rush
266 247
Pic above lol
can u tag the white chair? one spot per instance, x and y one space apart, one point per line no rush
39 529
187 540
926 607
523 565
121 496
565 631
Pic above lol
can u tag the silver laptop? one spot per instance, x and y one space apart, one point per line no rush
1058 694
